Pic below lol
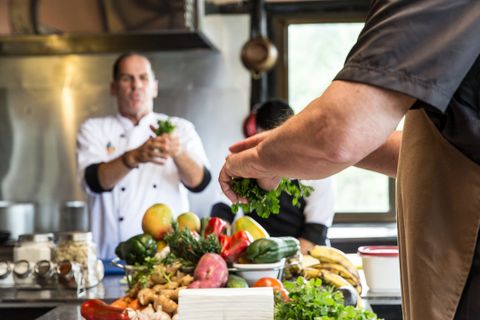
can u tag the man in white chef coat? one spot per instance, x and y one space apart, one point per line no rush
125 168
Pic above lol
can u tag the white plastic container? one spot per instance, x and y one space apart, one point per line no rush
254 271
381 266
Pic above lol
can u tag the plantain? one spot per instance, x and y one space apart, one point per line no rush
353 279
311 273
333 279
334 256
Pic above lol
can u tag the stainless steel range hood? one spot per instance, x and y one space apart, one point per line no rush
102 26
103 43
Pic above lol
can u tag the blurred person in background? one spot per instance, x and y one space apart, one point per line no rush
308 222
125 168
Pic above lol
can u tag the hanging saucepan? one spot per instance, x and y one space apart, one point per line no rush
259 55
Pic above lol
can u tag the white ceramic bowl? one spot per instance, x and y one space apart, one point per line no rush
254 271
381 266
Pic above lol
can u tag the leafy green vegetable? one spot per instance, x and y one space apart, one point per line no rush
186 248
164 126
265 202
309 300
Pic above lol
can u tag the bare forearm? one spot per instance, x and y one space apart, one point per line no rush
110 173
335 131
305 245
190 171
385 158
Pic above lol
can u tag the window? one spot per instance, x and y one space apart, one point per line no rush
316 52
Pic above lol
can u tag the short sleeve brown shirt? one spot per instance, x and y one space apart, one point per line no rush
429 50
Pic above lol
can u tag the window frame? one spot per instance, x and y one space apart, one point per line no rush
279 17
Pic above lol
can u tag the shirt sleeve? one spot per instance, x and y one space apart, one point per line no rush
319 206
90 149
420 48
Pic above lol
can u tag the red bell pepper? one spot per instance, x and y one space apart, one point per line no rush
96 309
215 226
224 241
237 245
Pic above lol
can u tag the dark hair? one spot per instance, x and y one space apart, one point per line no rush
123 56
272 113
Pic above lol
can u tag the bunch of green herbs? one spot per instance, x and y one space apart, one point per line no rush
187 248
309 300
164 126
138 276
265 202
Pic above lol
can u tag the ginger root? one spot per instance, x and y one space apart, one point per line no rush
146 296
165 304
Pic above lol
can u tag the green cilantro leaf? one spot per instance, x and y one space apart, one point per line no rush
265 202
164 126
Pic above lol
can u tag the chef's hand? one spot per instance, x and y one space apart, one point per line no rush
244 162
157 149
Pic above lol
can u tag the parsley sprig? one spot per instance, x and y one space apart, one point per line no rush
309 300
164 126
265 202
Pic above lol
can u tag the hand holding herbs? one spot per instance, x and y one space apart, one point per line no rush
265 202
164 126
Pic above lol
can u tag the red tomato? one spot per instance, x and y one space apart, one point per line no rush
269 282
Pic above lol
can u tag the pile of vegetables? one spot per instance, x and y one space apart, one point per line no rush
198 253
309 300
263 202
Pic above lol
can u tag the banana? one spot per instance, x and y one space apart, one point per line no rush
333 279
311 273
353 279
332 255
340 270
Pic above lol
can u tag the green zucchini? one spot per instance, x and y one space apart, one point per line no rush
268 250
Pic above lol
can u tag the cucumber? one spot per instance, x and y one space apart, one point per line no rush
268 250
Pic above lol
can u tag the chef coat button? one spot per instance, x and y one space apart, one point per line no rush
122 135
154 186
122 188
120 219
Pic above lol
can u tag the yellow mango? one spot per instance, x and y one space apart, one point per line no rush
246 223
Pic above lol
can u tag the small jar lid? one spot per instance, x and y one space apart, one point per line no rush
35 237
75 236
22 268
379 251
5 269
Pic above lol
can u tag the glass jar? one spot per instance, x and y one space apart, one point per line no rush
44 272
6 274
34 247
78 247
23 273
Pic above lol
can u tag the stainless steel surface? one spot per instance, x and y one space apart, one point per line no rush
16 217
111 288
74 216
30 45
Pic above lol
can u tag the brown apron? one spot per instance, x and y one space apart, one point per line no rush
438 211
